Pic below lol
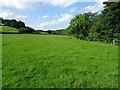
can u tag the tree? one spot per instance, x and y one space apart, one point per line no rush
20 24
13 23
1 20
26 30
112 15
80 24
49 32
107 25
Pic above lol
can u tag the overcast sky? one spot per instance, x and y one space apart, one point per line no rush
47 14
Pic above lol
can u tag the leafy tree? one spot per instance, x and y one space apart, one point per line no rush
60 32
107 26
13 23
102 27
112 15
20 24
26 30
49 32
80 24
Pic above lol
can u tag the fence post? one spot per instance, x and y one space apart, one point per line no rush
116 42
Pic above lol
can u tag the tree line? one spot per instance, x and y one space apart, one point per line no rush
97 27
88 26
20 25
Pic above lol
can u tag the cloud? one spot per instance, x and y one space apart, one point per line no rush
26 4
11 15
43 17
11 7
63 18
6 14
62 3
20 17
10 4
95 8
73 10
17 5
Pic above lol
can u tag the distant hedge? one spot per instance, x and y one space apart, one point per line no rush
19 25
13 23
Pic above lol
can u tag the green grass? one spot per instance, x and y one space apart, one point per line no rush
48 61
44 33
0 61
8 29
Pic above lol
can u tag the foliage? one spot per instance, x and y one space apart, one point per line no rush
59 32
80 24
19 25
103 27
107 26
13 23
26 30
49 32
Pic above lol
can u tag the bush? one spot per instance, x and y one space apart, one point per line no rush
26 30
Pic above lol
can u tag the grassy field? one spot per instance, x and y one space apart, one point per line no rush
0 61
48 61
7 29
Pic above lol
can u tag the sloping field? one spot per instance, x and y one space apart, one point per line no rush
45 61
8 29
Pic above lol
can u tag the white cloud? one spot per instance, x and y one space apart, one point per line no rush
13 5
95 8
73 10
9 8
101 0
56 16
62 3
11 15
26 4
45 16
10 4
17 5
6 14
63 18
20 17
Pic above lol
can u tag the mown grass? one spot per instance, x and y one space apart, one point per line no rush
8 29
48 61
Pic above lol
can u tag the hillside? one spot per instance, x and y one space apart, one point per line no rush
8 29
44 61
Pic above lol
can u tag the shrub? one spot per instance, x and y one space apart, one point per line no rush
26 30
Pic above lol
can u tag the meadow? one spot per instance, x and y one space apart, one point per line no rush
0 61
8 29
50 61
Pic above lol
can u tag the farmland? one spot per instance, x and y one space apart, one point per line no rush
7 29
43 61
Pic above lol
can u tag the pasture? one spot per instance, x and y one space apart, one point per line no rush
8 29
49 61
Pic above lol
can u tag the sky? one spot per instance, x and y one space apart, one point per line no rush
47 14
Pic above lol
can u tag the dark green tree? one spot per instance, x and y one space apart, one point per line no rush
106 26
20 24
26 30
80 25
